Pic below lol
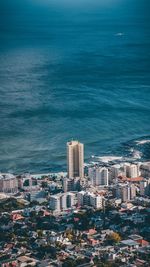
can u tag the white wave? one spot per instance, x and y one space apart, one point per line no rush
137 154
142 142
119 34
86 164
93 162
108 158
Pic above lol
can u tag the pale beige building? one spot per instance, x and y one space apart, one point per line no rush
132 171
75 159
8 183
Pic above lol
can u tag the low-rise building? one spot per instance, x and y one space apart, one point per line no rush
98 176
62 201
8 183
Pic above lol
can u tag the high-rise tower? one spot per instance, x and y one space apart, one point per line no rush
75 159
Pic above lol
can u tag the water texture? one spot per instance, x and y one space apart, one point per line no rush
72 69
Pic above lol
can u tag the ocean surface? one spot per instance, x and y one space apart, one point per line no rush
73 69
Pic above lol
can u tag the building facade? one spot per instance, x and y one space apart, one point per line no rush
98 176
75 159
62 201
132 171
8 184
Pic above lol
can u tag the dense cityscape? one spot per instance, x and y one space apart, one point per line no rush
95 214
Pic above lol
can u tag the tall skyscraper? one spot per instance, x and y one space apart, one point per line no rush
75 159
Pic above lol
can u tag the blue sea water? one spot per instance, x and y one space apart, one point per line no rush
72 69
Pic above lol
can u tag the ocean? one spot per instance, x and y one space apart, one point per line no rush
73 70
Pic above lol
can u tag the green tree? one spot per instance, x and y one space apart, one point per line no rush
113 238
40 233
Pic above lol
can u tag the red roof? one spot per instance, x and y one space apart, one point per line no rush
46 213
76 219
143 242
17 216
136 179
91 231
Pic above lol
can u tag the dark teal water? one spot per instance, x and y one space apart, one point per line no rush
72 69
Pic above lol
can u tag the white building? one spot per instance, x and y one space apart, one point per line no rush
38 195
70 200
65 184
55 202
115 171
92 175
132 171
126 192
96 201
98 176
89 199
133 191
8 183
71 184
62 201
145 170
102 176
80 197
145 187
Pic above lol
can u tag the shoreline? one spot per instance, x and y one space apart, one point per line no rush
60 173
